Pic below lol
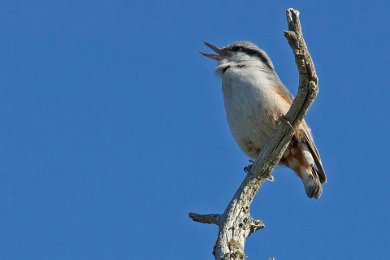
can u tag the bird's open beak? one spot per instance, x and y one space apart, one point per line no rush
220 51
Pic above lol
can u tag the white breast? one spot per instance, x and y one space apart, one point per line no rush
252 107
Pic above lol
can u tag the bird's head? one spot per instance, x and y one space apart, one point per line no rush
239 53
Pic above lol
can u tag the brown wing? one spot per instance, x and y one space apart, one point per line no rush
303 133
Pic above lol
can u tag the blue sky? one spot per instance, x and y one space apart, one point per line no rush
113 129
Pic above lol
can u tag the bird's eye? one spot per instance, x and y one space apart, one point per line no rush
236 48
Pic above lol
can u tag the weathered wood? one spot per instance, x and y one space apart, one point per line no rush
236 223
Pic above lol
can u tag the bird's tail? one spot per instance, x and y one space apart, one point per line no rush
312 182
302 160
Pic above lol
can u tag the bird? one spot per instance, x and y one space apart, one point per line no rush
255 101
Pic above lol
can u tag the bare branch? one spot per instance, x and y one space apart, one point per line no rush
236 224
207 219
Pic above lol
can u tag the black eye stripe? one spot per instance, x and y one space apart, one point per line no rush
252 52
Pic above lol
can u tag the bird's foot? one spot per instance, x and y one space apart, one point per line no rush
271 178
247 169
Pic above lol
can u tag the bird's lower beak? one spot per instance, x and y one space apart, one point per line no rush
220 52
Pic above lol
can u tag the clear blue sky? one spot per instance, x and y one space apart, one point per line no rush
113 129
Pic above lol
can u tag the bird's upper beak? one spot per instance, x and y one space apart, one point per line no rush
221 52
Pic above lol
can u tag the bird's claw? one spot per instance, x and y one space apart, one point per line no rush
271 178
247 169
